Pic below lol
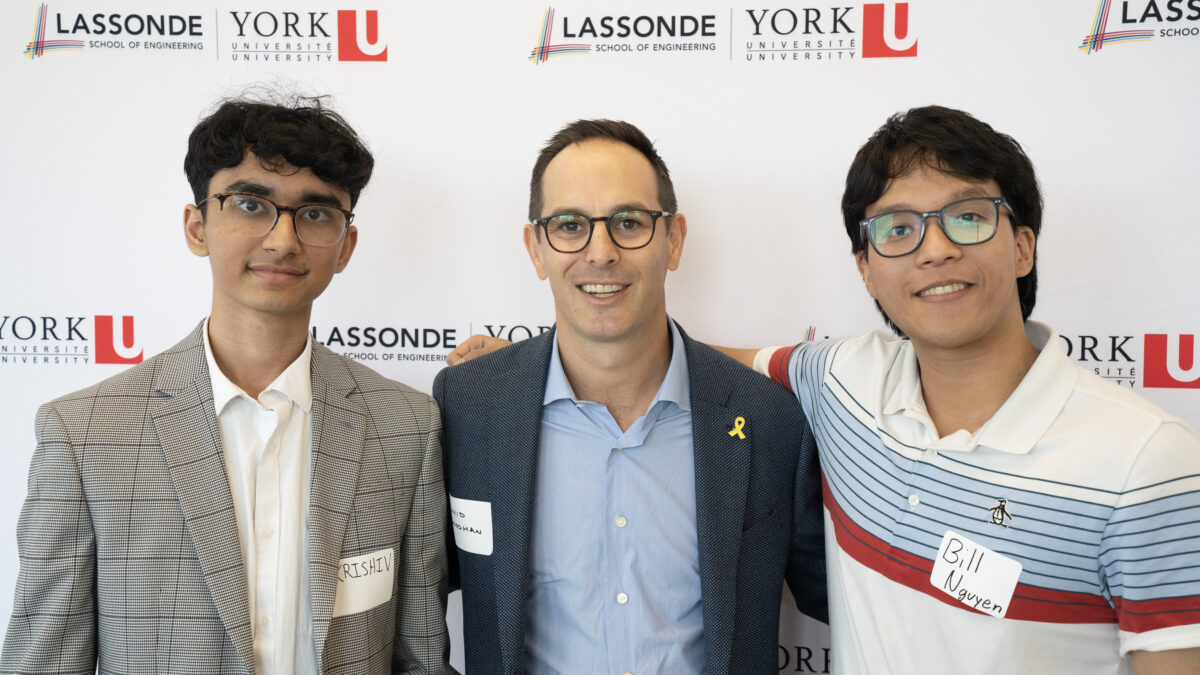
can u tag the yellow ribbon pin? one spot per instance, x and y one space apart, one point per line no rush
738 424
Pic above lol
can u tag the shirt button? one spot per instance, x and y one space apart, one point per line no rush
622 598
627 673
621 522
931 453
264 621
267 533
618 449
913 500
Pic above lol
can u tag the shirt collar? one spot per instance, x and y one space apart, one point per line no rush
295 382
1025 416
674 387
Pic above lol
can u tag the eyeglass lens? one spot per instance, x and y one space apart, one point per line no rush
316 224
969 221
570 232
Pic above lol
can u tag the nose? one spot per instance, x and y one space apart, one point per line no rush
936 247
282 238
601 251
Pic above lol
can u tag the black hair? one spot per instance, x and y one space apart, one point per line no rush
302 133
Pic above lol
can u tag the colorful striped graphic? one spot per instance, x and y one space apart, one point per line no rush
810 334
39 45
1100 35
544 50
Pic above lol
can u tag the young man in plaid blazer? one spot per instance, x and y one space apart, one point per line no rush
247 501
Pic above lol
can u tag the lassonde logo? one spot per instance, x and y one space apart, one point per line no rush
143 33
681 34
39 45
1100 35
545 50
1146 20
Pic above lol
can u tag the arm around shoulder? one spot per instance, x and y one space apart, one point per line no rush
53 624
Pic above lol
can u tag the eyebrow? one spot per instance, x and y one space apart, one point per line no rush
306 197
965 193
627 206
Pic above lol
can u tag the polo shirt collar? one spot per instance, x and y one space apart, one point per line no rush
1023 419
295 382
674 388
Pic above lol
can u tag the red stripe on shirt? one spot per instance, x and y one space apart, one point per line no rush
1028 603
778 368
1139 616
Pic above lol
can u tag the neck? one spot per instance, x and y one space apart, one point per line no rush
253 350
964 387
622 375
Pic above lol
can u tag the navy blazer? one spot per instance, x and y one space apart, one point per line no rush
758 502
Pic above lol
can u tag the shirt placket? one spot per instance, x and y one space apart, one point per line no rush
266 526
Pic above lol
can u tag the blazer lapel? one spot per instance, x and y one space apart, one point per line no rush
513 464
186 424
338 432
722 471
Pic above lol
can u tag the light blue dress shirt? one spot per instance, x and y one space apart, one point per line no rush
615 563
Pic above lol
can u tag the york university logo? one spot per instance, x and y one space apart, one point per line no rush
887 31
1171 361
115 340
358 36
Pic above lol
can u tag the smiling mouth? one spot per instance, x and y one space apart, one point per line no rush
601 290
942 290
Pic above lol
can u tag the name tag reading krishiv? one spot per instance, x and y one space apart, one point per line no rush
472 521
974 574
364 581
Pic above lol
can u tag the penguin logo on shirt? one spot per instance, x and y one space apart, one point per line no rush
1000 512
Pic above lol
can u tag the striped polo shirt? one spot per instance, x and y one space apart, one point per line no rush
1058 537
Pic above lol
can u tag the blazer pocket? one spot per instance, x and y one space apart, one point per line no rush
772 522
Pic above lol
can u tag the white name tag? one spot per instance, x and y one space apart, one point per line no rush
364 581
472 522
974 574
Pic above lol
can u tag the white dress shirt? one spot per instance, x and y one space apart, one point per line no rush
266 443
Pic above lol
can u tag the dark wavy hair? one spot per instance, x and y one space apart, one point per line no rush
955 143
303 133
586 130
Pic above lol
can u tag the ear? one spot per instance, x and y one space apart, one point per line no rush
193 230
1026 246
676 233
348 244
534 247
864 270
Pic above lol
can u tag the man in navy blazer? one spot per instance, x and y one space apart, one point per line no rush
623 498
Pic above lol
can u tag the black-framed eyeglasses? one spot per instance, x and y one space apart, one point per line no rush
571 232
315 224
964 222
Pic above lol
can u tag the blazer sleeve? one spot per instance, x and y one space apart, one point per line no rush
53 624
422 641
806 562
439 395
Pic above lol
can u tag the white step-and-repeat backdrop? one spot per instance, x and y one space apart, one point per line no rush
757 107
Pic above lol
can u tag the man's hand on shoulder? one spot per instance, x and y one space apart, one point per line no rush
476 345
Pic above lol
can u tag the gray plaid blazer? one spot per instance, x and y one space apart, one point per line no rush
128 541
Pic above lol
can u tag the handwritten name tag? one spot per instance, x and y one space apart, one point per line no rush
472 522
975 575
364 581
